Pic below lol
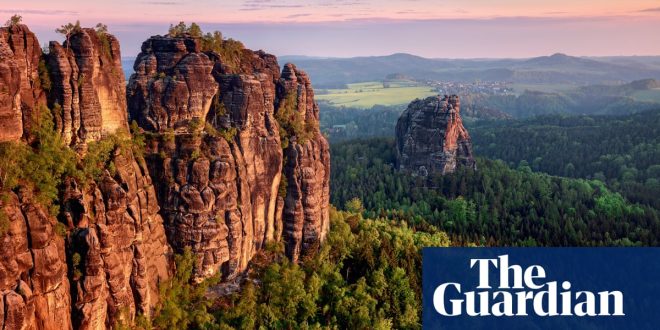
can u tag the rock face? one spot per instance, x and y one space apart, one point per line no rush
430 137
99 262
216 155
33 271
306 169
119 240
20 86
233 147
87 93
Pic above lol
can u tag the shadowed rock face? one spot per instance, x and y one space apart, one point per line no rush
217 159
430 137
87 94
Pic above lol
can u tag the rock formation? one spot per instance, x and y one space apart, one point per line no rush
430 137
99 262
119 239
34 288
20 87
234 159
216 154
87 86
306 169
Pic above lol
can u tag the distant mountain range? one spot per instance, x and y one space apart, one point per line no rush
557 68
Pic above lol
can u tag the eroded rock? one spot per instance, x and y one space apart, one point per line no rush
430 137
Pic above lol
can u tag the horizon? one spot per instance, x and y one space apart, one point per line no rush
361 28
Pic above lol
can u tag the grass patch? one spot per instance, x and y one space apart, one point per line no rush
366 95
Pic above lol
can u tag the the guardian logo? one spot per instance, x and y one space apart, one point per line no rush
521 292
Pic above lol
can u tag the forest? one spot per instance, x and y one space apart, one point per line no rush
493 206
622 151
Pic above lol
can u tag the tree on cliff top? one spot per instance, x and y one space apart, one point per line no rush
68 29
14 20
228 49
182 29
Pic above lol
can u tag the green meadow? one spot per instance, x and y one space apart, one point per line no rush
367 94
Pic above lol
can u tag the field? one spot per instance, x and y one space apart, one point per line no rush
367 94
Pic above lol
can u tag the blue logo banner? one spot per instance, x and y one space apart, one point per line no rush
541 288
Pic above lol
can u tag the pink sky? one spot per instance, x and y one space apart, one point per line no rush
479 28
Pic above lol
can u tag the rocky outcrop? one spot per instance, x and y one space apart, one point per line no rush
99 262
306 171
20 86
34 287
117 246
234 159
430 137
217 158
87 95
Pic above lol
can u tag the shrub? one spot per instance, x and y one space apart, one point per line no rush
284 183
102 33
228 134
44 75
292 121
230 50
14 20
60 229
183 304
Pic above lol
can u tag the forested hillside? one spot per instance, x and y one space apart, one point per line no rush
495 205
622 151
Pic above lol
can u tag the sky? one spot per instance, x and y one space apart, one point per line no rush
346 28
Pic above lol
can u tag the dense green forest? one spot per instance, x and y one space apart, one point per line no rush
495 205
341 124
367 275
621 151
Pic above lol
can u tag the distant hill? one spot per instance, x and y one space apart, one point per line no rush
636 96
556 68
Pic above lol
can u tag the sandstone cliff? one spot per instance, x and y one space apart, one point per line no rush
430 137
306 169
20 86
87 86
216 156
233 160
34 288
99 262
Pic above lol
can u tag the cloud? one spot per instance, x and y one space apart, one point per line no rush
267 4
38 12
650 10
161 3
251 5
298 15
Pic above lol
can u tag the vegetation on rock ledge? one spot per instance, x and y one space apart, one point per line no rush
230 50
